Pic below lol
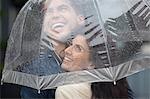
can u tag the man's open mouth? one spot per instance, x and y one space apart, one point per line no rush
57 27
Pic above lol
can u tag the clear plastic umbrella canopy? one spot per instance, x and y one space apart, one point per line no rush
58 42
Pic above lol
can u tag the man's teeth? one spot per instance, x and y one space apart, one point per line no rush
57 25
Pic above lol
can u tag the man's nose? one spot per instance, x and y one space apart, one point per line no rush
56 14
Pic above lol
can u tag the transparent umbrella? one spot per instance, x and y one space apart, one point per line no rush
58 42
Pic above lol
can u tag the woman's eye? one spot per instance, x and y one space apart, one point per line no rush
69 43
78 48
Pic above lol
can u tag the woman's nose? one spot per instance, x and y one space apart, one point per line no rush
68 51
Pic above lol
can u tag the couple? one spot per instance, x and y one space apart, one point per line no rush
59 22
61 18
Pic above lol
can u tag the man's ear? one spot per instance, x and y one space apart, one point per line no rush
81 20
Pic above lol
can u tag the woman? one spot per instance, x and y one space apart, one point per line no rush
77 57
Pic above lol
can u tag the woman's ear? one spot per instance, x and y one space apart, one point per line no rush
81 20
91 66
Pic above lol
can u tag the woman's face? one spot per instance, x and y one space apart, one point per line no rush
77 56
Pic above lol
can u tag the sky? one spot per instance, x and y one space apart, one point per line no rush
114 8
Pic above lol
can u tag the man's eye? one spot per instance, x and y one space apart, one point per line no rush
63 9
49 11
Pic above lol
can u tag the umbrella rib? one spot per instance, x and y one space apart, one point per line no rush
105 37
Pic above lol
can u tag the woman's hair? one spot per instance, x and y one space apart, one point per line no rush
107 90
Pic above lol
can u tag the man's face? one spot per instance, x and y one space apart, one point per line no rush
60 19
77 56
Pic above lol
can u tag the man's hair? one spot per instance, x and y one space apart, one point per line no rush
77 6
74 3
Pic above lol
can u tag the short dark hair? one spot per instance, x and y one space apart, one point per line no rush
74 3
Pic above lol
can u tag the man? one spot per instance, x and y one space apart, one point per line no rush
59 20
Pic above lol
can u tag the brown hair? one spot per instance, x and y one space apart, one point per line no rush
107 90
74 3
